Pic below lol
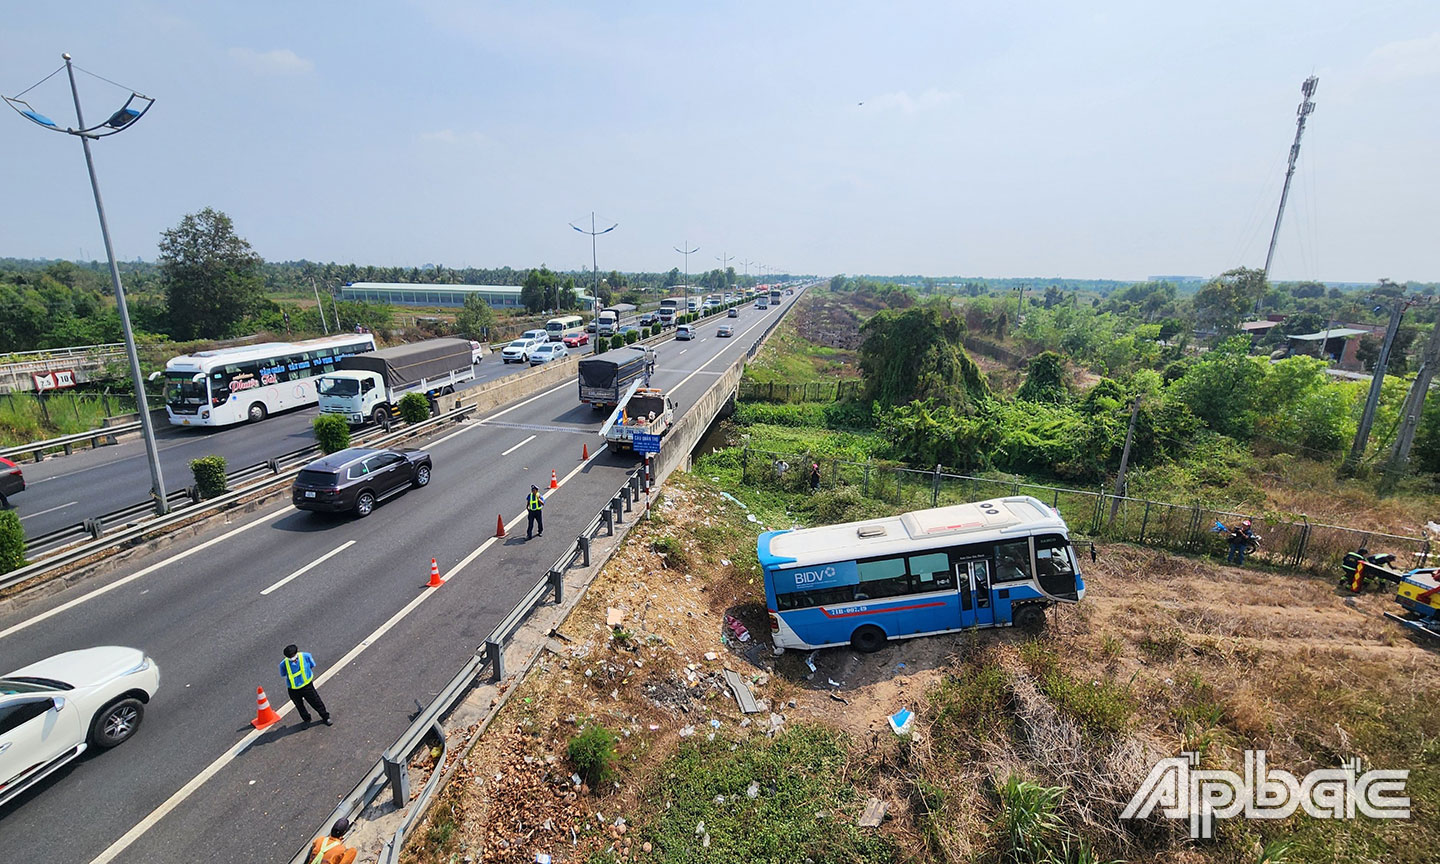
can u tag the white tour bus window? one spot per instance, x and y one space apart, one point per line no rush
883 578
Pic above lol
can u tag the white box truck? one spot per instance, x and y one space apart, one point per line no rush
369 386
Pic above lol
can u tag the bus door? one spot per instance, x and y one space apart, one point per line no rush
972 577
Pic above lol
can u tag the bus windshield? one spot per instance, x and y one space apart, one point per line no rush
181 388
339 387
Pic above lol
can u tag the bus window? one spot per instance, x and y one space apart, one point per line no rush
981 571
931 572
1012 561
883 578
1055 565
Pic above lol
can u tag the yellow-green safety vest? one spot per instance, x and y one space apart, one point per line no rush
535 502
319 856
297 674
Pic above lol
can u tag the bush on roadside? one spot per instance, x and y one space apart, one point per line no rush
414 408
12 542
617 341
209 474
632 337
593 755
655 329
332 433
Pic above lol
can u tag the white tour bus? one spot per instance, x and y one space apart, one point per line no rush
566 325
250 382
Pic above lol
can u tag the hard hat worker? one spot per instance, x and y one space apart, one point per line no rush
533 504
298 668
332 849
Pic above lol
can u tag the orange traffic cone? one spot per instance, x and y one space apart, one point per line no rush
499 526
554 481
434 575
265 716
584 452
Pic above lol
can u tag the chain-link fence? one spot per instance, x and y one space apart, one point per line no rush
1091 514
806 391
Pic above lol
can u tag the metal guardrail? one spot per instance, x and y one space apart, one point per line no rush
38 448
190 506
45 353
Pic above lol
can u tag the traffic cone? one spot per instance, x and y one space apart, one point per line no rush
584 452
265 716
434 575
554 481
499 526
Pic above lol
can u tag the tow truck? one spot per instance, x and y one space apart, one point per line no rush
1417 590
642 409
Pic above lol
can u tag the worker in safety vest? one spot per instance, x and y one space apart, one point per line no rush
298 667
332 850
534 521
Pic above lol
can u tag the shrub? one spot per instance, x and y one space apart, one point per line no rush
672 549
414 408
12 542
592 752
332 433
209 474
655 329
617 341
632 337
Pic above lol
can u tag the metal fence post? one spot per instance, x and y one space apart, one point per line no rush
745 465
495 652
867 477
557 584
399 777
609 517
1144 520
626 497
584 543
935 487
615 507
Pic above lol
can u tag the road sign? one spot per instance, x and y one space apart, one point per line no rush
59 379
645 443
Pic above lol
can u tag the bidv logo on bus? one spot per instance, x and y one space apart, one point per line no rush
828 576
1182 791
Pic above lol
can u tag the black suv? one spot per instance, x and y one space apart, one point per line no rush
355 479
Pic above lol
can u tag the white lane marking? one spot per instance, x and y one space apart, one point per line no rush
518 446
30 622
51 510
230 755
317 562
682 351
712 359
471 426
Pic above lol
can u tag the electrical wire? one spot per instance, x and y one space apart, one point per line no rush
38 83
108 81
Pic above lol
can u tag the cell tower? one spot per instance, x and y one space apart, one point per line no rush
1306 107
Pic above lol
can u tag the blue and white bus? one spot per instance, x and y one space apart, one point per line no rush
996 563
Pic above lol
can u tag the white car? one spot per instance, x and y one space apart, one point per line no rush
54 710
547 352
520 350
536 334
684 332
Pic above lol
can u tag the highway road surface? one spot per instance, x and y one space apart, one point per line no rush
65 490
216 611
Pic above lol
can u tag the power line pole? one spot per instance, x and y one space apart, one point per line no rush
1124 461
1377 381
595 265
1307 90
319 307
1411 412
687 253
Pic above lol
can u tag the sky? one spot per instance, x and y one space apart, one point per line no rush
1085 140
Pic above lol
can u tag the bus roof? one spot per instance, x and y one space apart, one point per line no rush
985 521
265 350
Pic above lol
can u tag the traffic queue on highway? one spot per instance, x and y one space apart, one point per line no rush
92 699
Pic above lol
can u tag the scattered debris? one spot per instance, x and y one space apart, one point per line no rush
810 660
901 721
614 617
874 813
743 697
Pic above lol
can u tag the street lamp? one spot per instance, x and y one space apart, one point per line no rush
724 263
687 253
595 263
133 109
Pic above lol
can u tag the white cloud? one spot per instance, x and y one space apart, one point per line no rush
1404 60
451 138
902 101
280 61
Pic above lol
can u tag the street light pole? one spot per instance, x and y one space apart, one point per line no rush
595 265
724 263
687 253
133 109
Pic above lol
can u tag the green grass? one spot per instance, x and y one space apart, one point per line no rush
805 805
22 419
1100 707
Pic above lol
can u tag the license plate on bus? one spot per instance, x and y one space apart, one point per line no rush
309 494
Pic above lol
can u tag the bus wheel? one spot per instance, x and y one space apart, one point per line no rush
868 639
1031 619
256 413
